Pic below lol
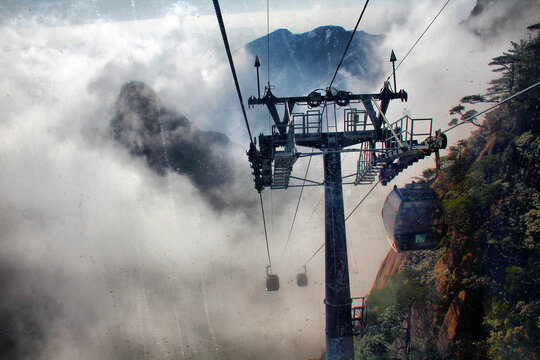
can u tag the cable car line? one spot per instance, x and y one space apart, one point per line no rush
296 210
315 209
312 256
239 93
231 63
318 183
361 201
268 38
269 122
412 47
470 118
302 187
265 233
322 245
349 43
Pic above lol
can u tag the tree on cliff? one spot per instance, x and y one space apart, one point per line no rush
483 284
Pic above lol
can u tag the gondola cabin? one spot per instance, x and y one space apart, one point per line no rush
413 217
272 281
301 278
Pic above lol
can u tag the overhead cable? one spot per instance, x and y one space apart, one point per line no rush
348 216
470 118
297 206
312 256
348 44
265 233
268 38
237 84
231 63
412 47
361 201
461 123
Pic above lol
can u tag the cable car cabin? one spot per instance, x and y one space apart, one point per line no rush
272 281
413 217
301 278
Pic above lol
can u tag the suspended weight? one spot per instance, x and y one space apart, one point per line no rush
272 280
413 217
301 278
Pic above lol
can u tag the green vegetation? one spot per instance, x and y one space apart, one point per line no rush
392 309
478 296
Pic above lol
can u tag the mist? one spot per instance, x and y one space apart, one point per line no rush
108 253
104 257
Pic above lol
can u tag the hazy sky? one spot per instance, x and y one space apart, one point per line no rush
101 258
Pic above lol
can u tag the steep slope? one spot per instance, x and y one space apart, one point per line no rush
477 296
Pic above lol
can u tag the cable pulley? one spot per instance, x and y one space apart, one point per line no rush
342 98
314 99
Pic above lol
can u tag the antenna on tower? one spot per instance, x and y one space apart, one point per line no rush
393 60
258 65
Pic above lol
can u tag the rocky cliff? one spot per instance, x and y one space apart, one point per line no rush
477 295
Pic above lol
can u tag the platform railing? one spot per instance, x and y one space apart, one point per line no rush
410 131
359 315
308 123
356 120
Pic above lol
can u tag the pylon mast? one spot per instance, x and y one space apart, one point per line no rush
385 149
339 332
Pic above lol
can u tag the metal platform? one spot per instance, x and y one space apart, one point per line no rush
359 315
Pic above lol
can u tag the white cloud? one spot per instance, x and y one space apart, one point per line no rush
131 263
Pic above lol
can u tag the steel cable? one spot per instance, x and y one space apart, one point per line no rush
297 206
412 47
237 84
322 245
470 118
349 43
231 63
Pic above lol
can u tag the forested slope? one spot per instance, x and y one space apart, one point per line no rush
478 295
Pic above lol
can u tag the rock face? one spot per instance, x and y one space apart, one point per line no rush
170 143
452 320
477 283
455 316
390 265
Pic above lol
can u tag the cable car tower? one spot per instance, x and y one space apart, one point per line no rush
384 149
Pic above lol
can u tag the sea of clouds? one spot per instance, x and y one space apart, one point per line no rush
101 257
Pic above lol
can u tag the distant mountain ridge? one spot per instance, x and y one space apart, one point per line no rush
303 62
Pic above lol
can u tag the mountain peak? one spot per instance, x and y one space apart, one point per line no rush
280 31
306 61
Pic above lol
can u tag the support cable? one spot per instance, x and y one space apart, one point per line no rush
237 84
316 207
361 201
265 233
412 47
322 245
453 127
470 118
348 44
231 63
312 256
297 206
268 38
